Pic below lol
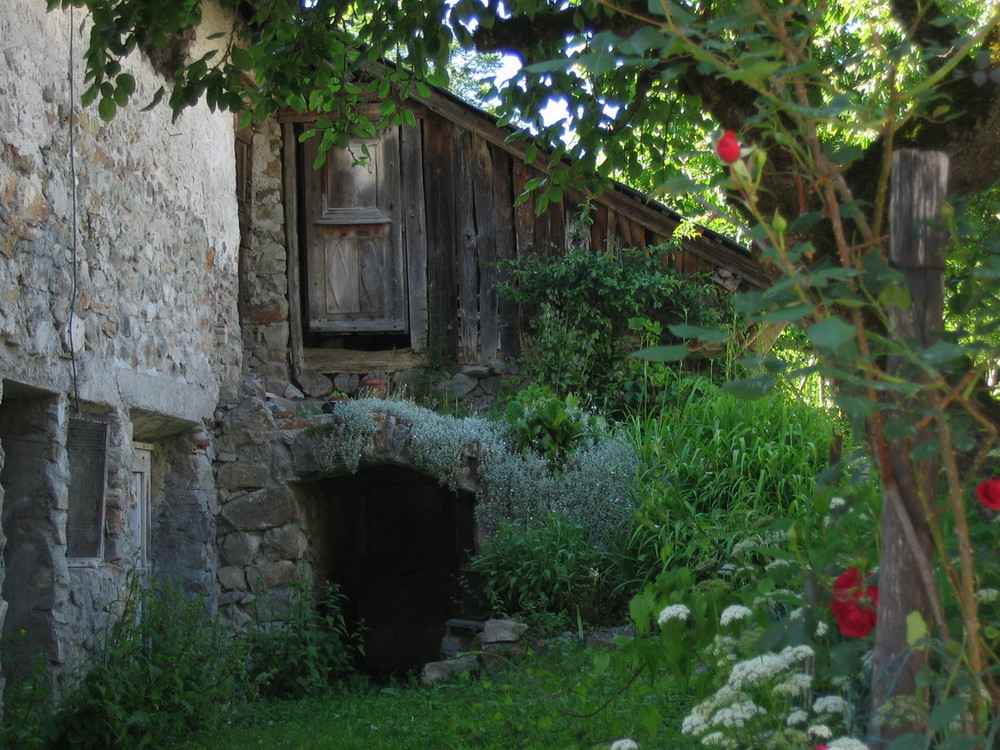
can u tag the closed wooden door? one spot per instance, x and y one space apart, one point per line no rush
356 265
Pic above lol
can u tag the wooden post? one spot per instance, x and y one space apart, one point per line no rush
906 583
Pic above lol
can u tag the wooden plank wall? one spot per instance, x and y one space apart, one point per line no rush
470 186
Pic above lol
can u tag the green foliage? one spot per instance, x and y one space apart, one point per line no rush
547 700
551 566
166 666
756 642
596 308
716 467
550 426
305 647
27 707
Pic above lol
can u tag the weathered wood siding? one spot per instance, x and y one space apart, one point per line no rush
457 179
470 188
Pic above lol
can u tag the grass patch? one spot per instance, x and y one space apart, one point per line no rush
543 702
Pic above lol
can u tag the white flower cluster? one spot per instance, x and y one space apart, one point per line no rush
674 612
759 668
736 715
750 544
726 709
779 562
988 596
831 704
734 613
797 717
793 684
820 732
846 743
733 707
624 744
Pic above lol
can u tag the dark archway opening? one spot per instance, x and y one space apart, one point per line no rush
395 541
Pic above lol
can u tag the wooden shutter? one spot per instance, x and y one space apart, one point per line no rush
355 261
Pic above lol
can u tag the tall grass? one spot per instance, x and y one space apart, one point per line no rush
716 467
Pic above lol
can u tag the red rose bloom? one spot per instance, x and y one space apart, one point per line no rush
988 493
853 604
728 147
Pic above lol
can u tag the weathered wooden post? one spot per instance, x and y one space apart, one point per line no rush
906 574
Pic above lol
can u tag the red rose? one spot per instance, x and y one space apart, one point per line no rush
728 147
988 493
853 604
822 747
855 620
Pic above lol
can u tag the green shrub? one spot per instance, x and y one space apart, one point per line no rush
307 649
165 667
590 310
551 567
27 707
551 426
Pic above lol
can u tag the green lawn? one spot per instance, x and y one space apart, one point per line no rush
540 704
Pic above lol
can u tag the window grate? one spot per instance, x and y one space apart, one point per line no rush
87 446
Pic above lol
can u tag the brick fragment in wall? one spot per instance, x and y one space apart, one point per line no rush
275 311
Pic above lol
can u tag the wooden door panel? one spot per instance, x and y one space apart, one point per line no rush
359 286
356 262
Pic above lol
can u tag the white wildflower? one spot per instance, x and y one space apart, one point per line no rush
830 704
820 732
674 612
836 503
694 723
722 645
736 715
797 653
847 743
793 684
734 613
797 717
753 671
716 738
779 563
745 545
821 629
988 596
625 744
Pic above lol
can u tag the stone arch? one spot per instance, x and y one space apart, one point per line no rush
390 534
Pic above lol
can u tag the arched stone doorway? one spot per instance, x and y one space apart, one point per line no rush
394 540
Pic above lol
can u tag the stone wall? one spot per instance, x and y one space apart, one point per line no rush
118 297
265 281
